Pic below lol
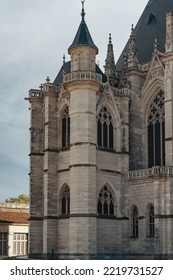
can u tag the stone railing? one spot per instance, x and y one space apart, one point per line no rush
151 172
35 93
82 76
48 87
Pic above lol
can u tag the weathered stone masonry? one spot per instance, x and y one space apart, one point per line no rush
101 170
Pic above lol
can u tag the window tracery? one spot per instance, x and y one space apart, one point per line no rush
65 201
156 132
134 222
150 221
65 128
105 137
105 204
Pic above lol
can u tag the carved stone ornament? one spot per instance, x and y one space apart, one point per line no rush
104 96
168 43
63 96
168 73
156 68
156 73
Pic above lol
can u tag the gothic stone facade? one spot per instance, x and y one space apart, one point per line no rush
101 161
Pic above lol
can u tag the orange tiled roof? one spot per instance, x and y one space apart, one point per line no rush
14 217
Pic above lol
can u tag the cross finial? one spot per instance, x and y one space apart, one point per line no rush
83 10
41 86
47 79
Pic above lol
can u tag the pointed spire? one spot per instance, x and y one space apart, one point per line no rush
132 42
132 49
83 10
83 36
110 69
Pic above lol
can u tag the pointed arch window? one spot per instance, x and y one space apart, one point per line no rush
65 128
150 220
105 205
105 135
156 132
134 222
65 201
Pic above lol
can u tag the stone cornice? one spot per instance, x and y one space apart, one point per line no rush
36 154
82 165
78 215
165 216
82 143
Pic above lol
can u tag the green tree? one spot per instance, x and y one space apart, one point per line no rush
22 198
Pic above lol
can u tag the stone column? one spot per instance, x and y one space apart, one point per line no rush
168 89
50 172
36 174
83 201
135 122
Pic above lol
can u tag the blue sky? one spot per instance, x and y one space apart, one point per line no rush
34 36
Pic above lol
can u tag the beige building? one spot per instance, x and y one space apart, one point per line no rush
101 161
13 229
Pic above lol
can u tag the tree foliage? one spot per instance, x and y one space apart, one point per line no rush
22 198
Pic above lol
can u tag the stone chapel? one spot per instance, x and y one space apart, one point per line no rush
101 148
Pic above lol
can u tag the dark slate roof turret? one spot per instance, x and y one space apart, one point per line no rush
65 69
83 36
151 25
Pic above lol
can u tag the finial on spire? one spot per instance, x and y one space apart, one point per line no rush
83 10
63 59
132 49
132 30
110 38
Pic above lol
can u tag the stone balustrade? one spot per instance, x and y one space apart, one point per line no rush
149 172
35 93
82 75
47 87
